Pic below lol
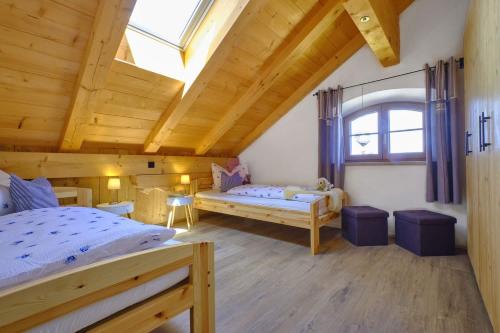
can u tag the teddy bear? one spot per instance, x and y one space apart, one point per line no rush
323 185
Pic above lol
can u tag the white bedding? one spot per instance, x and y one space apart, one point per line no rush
269 192
93 313
263 202
40 242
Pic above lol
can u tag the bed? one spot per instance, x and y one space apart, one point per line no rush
309 214
137 288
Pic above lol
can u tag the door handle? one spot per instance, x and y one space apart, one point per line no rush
482 133
468 151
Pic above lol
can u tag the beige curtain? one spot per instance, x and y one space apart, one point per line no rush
331 136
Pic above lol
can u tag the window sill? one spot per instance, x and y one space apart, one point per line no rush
385 163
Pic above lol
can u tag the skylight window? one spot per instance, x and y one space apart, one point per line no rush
171 21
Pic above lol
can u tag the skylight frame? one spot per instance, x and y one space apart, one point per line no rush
187 33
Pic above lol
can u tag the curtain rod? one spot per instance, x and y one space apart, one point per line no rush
459 61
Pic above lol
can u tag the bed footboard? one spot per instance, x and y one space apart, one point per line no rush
317 221
31 304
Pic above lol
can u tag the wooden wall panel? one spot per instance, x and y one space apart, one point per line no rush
94 170
41 46
57 165
340 31
482 89
130 104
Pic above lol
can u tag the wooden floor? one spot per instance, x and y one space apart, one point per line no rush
266 281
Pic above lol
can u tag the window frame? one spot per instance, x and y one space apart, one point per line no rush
384 154
189 29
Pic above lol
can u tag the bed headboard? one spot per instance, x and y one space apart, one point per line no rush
82 195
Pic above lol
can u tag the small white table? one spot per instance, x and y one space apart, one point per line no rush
118 208
179 201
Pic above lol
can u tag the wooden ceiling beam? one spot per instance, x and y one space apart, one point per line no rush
109 25
303 35
313 81
243 15
381 31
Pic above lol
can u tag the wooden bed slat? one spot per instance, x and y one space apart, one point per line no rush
268 214
151 314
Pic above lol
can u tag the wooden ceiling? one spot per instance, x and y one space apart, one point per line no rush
68 79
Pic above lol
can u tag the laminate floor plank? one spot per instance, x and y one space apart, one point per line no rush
267 281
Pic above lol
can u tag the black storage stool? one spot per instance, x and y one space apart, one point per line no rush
364 225
425 233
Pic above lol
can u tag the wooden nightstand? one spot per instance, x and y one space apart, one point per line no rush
118 208
174 201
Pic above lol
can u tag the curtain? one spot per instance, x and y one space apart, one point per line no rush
441 132
331 136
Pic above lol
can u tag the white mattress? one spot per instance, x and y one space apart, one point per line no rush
37 243
263 202
93 313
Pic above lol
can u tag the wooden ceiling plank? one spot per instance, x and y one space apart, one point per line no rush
336 61
304 34
108 28
187 96
381 31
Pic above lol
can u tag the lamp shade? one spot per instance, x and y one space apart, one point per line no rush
185 180
113 183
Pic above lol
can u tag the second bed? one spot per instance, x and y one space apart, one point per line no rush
307 211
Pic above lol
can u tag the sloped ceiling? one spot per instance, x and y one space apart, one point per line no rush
68 78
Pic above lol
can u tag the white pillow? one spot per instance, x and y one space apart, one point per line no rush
4 179
6 205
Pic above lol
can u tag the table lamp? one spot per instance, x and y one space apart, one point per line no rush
185 180
114 185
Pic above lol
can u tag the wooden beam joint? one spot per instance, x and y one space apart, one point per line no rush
109 25
378 22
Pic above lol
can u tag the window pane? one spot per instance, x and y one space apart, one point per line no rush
407 142
365 124
364 144
404 119
165 19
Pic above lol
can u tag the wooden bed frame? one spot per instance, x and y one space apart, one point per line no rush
82 195
311 220
34 303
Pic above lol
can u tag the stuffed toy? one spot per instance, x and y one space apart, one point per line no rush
323 185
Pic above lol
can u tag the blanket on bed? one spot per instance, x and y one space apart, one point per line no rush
36 243
335 196
294 193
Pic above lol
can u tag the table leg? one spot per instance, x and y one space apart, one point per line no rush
171 216
190 210
186 212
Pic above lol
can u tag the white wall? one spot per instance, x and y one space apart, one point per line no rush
287 152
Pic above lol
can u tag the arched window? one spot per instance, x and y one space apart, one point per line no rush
386 132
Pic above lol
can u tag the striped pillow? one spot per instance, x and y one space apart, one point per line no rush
33 194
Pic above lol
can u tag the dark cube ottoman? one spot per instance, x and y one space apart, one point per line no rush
425 233
364 225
